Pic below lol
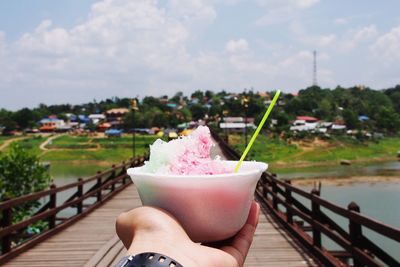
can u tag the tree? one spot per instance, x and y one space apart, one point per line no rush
199 95
21 173
198 111
351 119
25 118
388 120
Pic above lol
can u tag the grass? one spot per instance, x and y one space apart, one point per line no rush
5 138
31 144
276 150
265 149
73 149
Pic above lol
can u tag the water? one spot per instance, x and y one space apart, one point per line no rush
66 173
378 201
390 168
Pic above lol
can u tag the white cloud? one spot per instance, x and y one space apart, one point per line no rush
234 46
341 21
306 3
356 37
192 10
2 45
302 35
281 11
387 46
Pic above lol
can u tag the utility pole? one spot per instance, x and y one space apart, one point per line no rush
315 83
134 108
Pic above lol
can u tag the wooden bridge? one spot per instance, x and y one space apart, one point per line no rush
79 231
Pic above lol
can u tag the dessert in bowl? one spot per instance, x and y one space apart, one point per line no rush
210 200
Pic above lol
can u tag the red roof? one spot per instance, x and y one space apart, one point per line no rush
306 118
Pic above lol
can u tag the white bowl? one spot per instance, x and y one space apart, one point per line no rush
209 207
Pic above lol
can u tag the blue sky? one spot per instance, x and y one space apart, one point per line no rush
74 51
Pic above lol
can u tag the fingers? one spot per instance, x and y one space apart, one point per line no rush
240 244
123 226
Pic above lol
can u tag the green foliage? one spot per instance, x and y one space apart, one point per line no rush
350 119
388 119
21 173
198 111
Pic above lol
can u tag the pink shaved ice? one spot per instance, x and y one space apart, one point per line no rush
190 155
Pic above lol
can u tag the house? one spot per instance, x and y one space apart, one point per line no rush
304 123
83 119
96 118
103 127
51 124
115 116
237 124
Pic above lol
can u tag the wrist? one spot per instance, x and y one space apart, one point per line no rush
148 259
174 252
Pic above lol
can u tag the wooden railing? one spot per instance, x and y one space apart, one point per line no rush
309 224
289 205
89 194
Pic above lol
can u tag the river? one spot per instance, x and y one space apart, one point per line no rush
378 200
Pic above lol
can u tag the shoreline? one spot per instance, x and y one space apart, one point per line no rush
304 164
341 181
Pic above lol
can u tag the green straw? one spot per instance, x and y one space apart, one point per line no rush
253 138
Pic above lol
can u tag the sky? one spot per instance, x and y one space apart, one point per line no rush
75 51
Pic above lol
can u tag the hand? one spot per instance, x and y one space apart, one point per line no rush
149 229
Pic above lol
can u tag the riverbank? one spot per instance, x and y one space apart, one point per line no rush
341 181
280 154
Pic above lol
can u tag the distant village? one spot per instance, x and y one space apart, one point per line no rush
295 114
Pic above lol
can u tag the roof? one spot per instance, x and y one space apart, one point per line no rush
104 125
306 118
97 116
117 111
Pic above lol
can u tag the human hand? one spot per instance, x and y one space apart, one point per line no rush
149 229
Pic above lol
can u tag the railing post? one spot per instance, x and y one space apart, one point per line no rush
355 231
6 221
131 161
315 212
275 197
80 194
289 201
123 172
112 178
99 194
52 205
266 188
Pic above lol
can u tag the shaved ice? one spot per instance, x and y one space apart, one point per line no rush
189 155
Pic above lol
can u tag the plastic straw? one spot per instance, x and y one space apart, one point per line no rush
253 138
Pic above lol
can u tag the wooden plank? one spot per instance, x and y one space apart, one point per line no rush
77 244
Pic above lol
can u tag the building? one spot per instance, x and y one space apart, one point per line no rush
304 123
237 124
115 116
96 118
52 124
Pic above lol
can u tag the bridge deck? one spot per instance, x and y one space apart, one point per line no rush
92 241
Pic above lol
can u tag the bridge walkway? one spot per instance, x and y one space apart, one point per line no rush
92 241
